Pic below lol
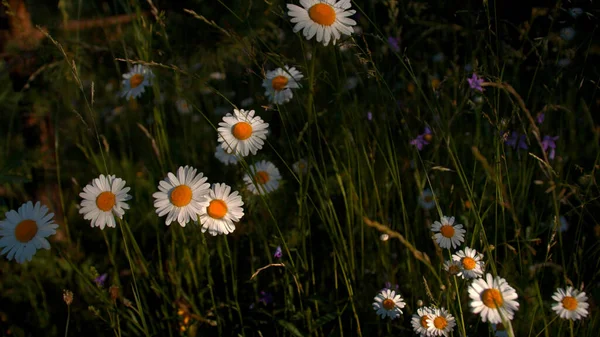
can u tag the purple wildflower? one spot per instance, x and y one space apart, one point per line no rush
394 43
549 142
370 115
278 253
475 82
265 297
515 139
100 280
540 118
388 285
422 139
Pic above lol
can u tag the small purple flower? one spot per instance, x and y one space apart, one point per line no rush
388 285
394 43
100 280
515 139
422 139
475 82
540 118
278 253
265 297
549 142
370 115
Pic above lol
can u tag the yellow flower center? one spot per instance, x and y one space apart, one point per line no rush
217 209
262 177
389 304
468 263
492 298
105 201
322 14
242 130
424 321
447 231
569 303
136 80
440 322
279 82
25 230
181 195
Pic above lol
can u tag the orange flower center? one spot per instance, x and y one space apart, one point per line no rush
181 195
468 263
447 231
322 14
453 269
262 177
25 230
492 298
279 82
105 201
428 137
389 304
424 321
217 209
136 80
242 130
569 303
440 322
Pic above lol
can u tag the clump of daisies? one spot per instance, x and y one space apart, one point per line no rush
103 199
447 233
327 19
220 209
430 321
136 81
388 304
570 303
25 230
279 83
493 299
264 178
242 133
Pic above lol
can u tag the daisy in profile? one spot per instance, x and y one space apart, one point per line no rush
136 81
470 262
300 167
266 176
388 303
492 297
242 132
440 322
570 303
448 235
24 231
182 106
327 19
499 330
452 267
426 199
220 209
419 320
224 157
279 83
104 198
179 197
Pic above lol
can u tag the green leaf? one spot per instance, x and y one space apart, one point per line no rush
290 327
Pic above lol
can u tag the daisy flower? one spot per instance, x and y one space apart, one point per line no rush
470 262
388 303
220 209
242 132
279 83
180 196
327 19
570 303
104 198
440 322
136 81
300 167
24 231
493 298
182 106
266 175
499 330
426 199
452 267
419 321
224 157
449 235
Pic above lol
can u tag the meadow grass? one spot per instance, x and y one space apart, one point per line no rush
361 104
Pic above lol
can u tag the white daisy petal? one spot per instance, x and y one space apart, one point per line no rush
105 198
323 18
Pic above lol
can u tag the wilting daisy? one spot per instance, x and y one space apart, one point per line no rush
327 19
570 303
470 261
452 267
279 83
266 176
180 196
449 235
136 81
224 157
24 231
491 297
104 198
440 322
300 167
182 106
242 132
220 209
419 320
499 330
388 303
426 199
